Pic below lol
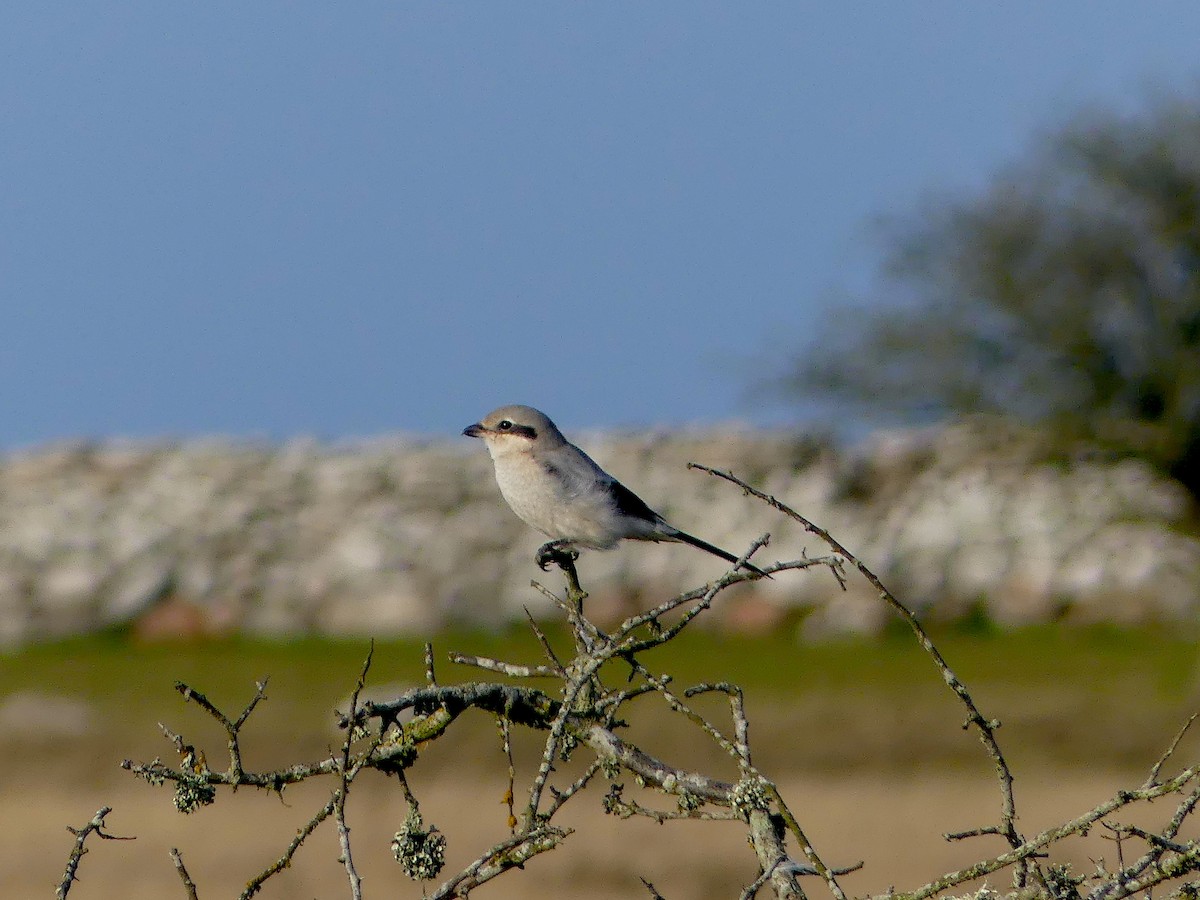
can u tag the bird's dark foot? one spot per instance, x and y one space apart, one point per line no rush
560 552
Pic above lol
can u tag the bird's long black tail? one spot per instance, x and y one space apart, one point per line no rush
717 551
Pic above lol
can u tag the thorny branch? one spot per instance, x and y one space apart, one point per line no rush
987 727
583 712
582 715
95 826
1107 885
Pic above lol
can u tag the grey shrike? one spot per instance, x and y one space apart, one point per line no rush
558 489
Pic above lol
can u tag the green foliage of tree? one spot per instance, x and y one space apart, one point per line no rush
1065 294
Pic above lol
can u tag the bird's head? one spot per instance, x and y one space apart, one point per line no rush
515 429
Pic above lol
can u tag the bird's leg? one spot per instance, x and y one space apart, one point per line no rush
559 552
563 555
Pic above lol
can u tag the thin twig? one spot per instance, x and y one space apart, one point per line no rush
970 833
505 727
347 773
546 648
625 809
793 825
510 853
672 700
737 707
1157 767
255 884
512 670
189 886
430 675
95 826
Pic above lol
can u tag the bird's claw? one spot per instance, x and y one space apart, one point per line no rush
561 553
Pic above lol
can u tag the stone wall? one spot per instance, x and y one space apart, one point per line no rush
401 536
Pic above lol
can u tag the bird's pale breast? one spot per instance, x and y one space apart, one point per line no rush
547 503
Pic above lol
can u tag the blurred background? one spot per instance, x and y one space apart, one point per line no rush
928 273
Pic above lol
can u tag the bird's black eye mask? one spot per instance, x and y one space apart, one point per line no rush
508 427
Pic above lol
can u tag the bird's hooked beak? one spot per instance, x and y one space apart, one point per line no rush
475 430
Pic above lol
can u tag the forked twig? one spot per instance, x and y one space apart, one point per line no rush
96 827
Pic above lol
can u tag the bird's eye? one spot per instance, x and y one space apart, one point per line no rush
504 425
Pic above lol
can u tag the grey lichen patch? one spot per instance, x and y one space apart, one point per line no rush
193 792
420 851
750 794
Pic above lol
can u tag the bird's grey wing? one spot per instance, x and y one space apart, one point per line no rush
631 505
576 472
571 486
580 475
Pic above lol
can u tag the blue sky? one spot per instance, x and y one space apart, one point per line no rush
278 219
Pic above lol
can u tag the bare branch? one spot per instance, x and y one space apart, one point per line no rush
189 886
232 727
987 727
973 832
255 884
546 648
430 675
738 709
348 770
1157 767
508 854
510 669
95 826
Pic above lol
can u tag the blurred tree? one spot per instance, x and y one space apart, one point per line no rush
1066 294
